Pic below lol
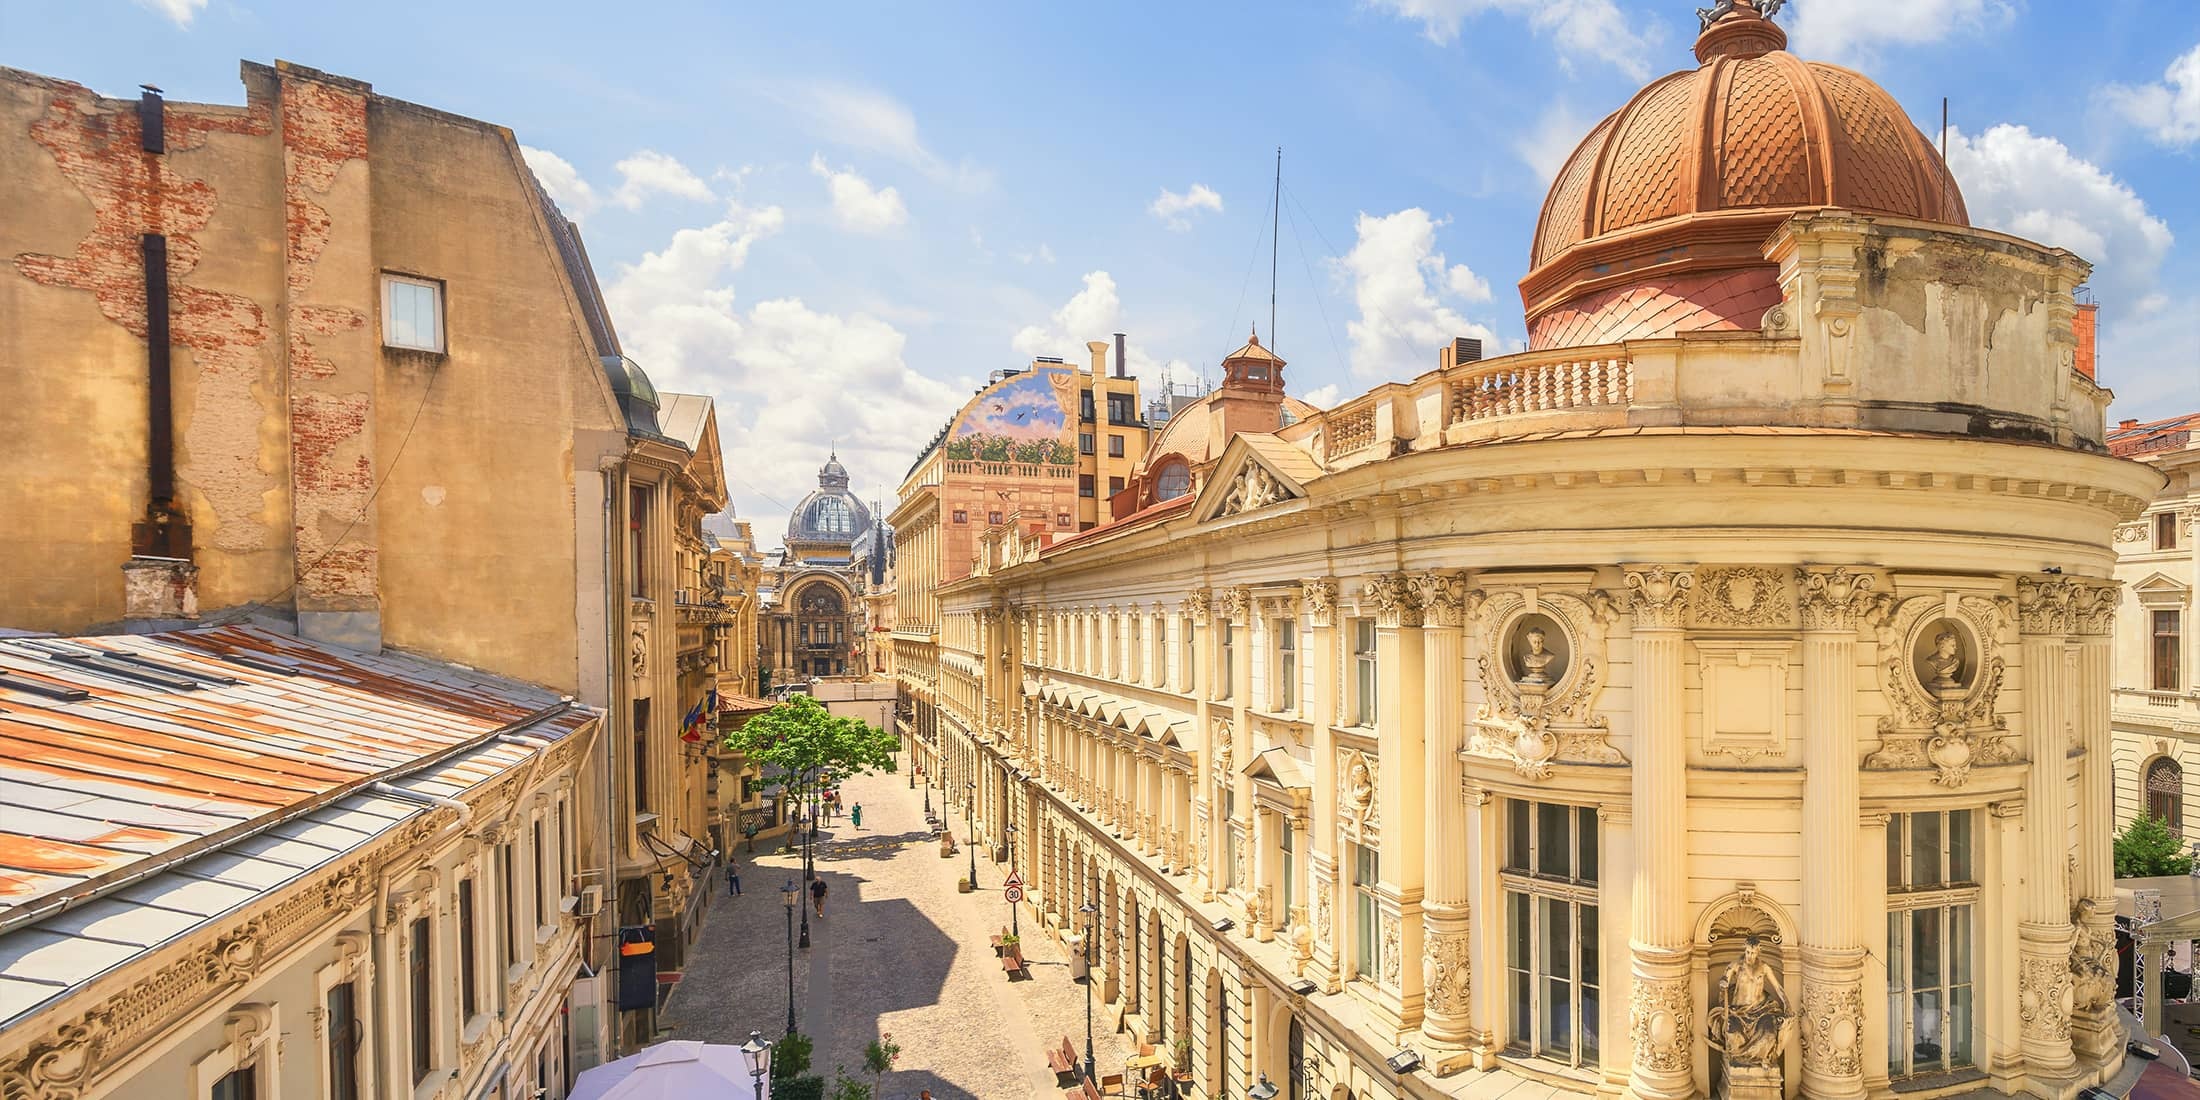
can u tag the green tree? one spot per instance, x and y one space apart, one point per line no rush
878 1060
811 746
790 1056
849 1088
2147 848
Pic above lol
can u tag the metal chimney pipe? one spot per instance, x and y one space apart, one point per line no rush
1122 370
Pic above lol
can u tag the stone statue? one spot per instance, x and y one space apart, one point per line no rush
638 650
1302 944
1535 663
1945 663
1359 788
1748 1015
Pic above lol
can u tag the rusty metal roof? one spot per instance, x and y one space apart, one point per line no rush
152 783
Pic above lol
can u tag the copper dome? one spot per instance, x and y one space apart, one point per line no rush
1654 224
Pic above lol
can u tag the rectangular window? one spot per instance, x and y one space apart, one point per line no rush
1084 407
1190 657
1931 898
469 968
1061 519
237 1084
423 1001
993 518
1552 950
1115 485
2167 674
508 905
1287 665
1134 665
1084 485
1084 443
1366 871
1226 661
1284 848
412 313
641 756
1363 672
1115 446
344 1040
1122 409
961 516
637 542
542 902
2165 530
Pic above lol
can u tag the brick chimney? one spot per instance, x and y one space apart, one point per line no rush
2086 324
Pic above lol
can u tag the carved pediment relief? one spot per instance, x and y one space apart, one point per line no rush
1257 471
1941 674
1541 666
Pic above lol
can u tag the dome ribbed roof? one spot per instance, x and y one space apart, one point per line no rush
1700 166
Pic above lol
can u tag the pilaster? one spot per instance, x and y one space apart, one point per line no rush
2096 1031
1832 1008
1400 662
1662 1027
1319 597
2044 994
1448 1019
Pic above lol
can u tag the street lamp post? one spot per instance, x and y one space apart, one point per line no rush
758 1054
1091 909
1013 930
970 813
806 877
788 894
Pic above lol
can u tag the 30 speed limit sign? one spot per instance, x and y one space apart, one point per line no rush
1014 894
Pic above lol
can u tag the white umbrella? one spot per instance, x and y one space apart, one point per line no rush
678 1070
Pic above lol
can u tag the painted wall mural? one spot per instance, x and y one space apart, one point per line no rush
1029 418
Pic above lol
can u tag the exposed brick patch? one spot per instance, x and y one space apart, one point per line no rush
331 411
94 143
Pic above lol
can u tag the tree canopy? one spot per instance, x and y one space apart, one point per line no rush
2146 848
809 744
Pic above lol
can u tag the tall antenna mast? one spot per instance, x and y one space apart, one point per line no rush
1275 216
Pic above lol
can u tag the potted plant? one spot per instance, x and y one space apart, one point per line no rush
962 884
1182 1049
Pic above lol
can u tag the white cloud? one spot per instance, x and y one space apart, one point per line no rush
179 12
1044 254
1095 312
862 118
2034 187
859 206
2170 110
650 172
1400 283
2148 357
781 371
1175 210
1591 29
1547 144
1846 29
1321 397
564 183
645 173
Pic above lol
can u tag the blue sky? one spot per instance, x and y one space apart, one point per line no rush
837 218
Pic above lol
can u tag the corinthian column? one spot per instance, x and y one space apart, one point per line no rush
2044 995
2096 1031
1319 596
1833 946
1661 1009
1447 1018
1399 794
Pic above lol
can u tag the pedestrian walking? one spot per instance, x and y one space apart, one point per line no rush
856 815
733 879
817 895
749 831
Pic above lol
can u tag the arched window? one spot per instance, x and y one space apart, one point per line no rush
2165 793
1174 481
830 516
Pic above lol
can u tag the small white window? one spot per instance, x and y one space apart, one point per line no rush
412 313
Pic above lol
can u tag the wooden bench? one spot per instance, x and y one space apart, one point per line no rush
1012 964
1063 1061
1086 1091
996 940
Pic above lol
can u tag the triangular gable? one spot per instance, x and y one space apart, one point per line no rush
2161 584
1276 766
1256 471
708 467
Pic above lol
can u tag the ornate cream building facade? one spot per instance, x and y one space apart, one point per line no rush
2157 713
1713 698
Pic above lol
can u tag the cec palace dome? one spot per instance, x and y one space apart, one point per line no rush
1656 222
830 513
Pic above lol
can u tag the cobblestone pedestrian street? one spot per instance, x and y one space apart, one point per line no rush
898 950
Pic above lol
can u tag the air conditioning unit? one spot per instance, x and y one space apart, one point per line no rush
590 902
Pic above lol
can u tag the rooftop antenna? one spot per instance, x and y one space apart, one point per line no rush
1275 215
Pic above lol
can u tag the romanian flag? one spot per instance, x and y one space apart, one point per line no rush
691 727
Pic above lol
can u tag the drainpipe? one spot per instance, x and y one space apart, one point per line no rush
612 720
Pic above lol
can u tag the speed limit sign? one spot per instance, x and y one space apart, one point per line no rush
1014 894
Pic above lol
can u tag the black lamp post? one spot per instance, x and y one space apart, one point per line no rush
806 878
1013 930
1091 909
789 895
758 1054
970 813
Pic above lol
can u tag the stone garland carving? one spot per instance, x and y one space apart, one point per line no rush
1224 745
1661 1024
1833 599
1949 732
2131 532
1532 729
1396 603
1358 816
1446 972
1320 598
1743 596
1392 951
1253 488
1659 596
2045 996
1238 861
1832 1016
1324 928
